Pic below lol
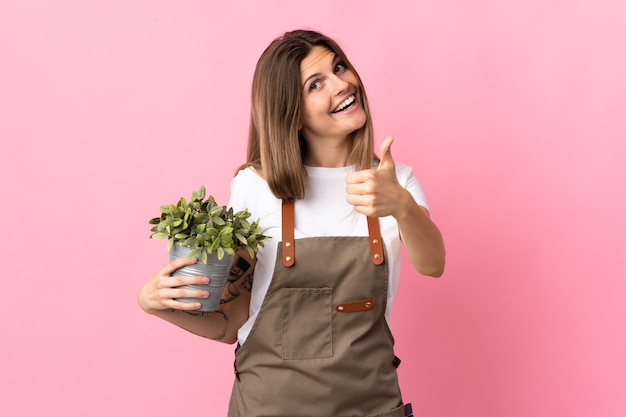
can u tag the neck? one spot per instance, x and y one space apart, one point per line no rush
327 154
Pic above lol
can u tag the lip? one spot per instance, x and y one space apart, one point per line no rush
342 99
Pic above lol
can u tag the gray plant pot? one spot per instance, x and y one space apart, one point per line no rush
216 270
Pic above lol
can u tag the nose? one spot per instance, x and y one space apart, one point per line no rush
339 84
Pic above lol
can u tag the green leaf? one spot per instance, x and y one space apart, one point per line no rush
215 245
174 211
201 218
176 230
226 231
244 214
216 211
227 241
220 253
241 239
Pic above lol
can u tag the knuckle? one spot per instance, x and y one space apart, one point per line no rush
186 293
181 280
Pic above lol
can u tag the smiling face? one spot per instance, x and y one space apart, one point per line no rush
331 102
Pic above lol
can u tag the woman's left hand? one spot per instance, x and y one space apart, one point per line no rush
376 192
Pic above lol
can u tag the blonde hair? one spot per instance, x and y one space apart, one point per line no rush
276 149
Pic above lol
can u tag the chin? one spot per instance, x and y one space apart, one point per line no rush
360 121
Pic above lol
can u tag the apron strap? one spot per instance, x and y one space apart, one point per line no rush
376 240
288 242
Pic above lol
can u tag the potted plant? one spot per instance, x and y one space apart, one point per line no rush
200 228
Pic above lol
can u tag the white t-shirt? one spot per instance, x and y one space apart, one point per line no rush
324 211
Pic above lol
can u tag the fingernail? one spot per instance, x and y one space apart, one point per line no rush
205 280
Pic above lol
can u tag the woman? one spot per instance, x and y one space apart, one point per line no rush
315 339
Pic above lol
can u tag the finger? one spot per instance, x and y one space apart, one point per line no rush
172 298
176 264
182 305
367 210
362 188
359 200
178 280
184 292
358 177
386 161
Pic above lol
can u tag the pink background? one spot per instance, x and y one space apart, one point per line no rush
511 112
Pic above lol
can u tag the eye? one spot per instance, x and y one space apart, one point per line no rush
315 85
340 67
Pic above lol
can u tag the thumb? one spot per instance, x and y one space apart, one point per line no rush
386 161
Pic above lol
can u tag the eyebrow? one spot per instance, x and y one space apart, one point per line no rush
335 59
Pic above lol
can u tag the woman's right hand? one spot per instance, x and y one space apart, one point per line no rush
158 293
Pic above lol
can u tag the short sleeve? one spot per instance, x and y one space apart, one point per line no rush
238 195
408 180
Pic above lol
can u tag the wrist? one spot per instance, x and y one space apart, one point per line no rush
405 206
144 305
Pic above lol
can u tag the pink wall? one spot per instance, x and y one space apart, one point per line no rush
511 112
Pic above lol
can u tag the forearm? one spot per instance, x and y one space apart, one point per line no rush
221 325
421 237
209 325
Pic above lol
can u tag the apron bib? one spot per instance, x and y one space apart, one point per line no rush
320 345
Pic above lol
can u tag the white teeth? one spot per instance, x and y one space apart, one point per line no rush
345 104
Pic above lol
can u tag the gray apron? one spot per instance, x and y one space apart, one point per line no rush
320 345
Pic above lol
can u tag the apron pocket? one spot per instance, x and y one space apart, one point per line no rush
307 323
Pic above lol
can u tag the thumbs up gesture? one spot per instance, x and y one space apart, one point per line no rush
376 192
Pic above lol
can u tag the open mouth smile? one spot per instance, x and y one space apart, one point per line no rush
346 104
